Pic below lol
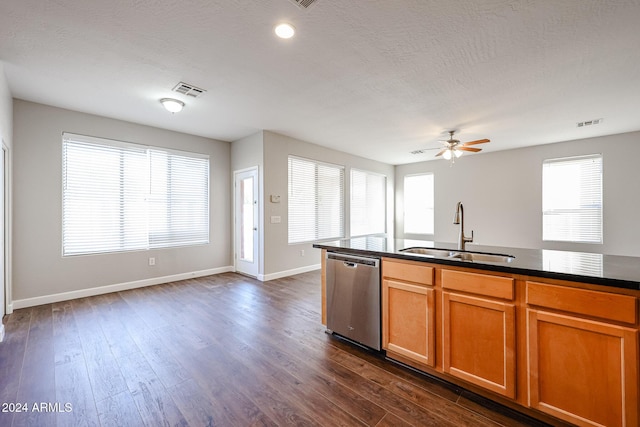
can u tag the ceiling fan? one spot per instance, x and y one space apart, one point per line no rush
453 148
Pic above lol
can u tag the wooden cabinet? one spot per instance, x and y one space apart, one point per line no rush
583 361
549 347
408 311
478 321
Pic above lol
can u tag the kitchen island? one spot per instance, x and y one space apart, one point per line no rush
549 332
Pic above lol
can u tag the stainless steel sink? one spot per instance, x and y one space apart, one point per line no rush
462 256
482 257
436 253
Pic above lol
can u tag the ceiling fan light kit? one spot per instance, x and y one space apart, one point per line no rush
454 149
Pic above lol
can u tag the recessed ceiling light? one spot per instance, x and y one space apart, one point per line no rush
172 105
285 31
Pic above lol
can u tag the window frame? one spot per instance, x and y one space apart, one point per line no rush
432 208
127 175
550 235
384 202
316 238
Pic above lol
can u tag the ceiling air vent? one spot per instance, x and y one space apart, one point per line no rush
303 4
418 151
188 90
590 122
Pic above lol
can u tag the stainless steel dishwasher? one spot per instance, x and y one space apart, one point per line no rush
353 298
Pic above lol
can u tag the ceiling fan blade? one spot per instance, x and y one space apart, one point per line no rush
463 148
441 152
479 141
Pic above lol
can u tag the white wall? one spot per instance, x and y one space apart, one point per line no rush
39 269
502 194
280 257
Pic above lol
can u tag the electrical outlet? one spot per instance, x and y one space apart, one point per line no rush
302 252
152 261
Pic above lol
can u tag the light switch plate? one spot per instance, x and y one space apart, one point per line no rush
275 198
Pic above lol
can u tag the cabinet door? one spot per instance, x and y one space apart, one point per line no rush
408 321
479 342
583 371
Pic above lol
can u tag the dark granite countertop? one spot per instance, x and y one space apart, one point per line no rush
598 269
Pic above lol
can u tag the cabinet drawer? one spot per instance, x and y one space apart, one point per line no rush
481 284
620 308
408 271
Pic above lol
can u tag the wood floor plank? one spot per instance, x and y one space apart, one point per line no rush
104 373
119 411
113 326
315 381
12 352
502 416
154 402
391 420
436 405
441 409
168 370
145 308
269 399
237 332
37 383
283 360
220 382
74 399
67 344
302 393
244 312
197 406
403 407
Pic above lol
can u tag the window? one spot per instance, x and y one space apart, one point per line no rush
119 196
418 204
316 201
572 199
368 203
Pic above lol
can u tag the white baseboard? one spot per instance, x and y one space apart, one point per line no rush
1 331
82 293
9 308
286 273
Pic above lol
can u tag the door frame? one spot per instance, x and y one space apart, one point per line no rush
5 290
257 242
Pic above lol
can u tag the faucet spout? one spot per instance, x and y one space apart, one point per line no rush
458 218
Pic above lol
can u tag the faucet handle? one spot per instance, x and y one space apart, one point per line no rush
468 239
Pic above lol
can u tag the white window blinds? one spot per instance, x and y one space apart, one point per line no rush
119 196
572 199
316 201
368 203
419 204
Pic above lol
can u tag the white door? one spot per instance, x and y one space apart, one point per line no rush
246 221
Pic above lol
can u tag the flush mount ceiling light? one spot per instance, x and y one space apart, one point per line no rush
284 30
172 105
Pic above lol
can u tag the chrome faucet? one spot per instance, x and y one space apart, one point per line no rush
458 218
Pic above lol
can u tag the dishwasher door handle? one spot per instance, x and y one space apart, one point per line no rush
350 264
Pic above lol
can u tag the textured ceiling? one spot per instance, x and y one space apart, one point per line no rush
376 78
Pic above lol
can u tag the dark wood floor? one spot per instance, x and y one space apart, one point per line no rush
221 350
